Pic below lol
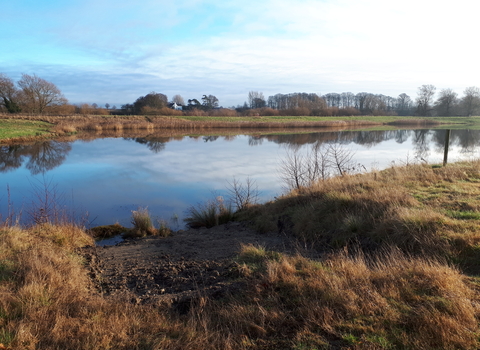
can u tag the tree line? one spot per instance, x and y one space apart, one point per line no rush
448 103
32 94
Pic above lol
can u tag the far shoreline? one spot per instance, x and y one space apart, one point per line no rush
31 128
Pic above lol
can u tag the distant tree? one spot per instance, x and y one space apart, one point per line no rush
404 104
332 99
347 99
446 102
360 101
178 100
107 105
9 95
209 102
424 99
193 104
256 99
152 100
39 94
128 108
471 101
114 107
94 105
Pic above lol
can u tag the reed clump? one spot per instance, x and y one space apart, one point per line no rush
143 225
209 214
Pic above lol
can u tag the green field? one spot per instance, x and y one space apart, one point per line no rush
17 128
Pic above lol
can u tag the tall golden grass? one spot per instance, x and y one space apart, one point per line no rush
99 123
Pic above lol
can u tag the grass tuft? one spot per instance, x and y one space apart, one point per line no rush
143 225
209 214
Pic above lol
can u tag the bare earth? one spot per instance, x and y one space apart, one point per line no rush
175 269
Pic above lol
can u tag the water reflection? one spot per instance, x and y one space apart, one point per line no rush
110 177
40 157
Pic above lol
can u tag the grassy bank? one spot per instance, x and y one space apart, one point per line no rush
400 272
18 127
422 209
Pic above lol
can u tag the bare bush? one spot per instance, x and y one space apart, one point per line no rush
243 195
47 204
319 163
340 158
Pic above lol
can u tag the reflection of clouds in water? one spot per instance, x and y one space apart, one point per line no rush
110 177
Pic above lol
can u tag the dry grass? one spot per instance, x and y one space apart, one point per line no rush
65 124
47 301
349 302
388 302
419 208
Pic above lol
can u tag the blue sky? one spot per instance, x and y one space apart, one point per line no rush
106 51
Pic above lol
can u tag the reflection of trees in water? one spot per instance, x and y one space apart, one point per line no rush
42 156
420 144
466 139
47 156
11 157
438 139
402 135
154 144
255 140
210 138
230 137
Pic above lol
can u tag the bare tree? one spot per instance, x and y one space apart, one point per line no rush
471 101
8 94
107 105
256 99
446 102
39 94
424 99
178 100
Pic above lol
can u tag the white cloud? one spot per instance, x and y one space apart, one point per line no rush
231 47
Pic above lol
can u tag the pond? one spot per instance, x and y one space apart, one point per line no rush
101 181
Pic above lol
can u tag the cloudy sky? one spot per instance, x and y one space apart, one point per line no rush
111 51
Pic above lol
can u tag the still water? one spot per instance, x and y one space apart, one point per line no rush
103 180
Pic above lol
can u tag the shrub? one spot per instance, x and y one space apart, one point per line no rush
209 214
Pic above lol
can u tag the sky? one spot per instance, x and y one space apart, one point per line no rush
110 51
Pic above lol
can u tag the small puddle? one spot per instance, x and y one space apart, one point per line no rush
109 241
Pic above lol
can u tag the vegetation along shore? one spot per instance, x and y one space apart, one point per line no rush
381 260
24 128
